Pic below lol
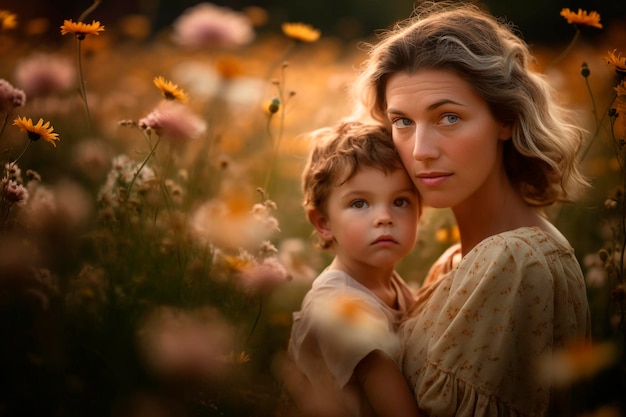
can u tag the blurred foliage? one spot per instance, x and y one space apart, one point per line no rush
144 273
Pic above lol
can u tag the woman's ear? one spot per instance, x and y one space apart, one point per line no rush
320 223
506 132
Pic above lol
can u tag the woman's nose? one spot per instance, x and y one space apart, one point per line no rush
424 145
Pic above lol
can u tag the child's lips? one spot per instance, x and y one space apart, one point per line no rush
385 240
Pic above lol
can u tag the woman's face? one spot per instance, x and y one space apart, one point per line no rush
449 141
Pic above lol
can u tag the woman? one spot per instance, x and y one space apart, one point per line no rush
482 134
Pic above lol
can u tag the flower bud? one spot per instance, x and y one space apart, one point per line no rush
584 70
274 105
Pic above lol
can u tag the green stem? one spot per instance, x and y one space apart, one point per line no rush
22 154
90 9
567 49
276 145
81 80
256 321
593 102
6 119
597 129
143 164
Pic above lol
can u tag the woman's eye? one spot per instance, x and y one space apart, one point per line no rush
358 204
450 119
401 122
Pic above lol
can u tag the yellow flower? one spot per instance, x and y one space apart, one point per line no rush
38 131
170 90
229 67
448 234
620 90
7 20
301 32
617 60
582 18
81 29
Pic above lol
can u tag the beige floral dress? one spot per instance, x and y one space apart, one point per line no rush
474 339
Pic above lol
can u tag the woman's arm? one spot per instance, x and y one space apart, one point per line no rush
385 386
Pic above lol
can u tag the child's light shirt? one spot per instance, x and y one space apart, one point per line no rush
340 323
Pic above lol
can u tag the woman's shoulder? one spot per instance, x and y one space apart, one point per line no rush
529 255
523 239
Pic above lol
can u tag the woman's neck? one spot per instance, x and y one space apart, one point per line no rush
483 217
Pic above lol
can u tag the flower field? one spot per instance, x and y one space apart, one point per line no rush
152 239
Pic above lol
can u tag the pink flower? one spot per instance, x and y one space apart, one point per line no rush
10 96
174 120
209 25
45 74
263 277
186 344
15 193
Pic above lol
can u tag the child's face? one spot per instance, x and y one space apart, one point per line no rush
372 218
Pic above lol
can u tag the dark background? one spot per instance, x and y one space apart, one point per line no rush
539 20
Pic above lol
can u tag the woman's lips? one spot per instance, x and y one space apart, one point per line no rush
432 179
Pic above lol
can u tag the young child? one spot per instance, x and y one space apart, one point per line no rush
365 208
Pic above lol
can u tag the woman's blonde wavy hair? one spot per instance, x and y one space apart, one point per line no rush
541 159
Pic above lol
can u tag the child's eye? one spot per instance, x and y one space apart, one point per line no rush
359 204
401 202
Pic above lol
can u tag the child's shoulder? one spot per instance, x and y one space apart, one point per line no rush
334 277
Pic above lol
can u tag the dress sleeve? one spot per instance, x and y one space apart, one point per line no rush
486 325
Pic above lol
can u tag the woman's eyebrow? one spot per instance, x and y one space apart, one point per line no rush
431 107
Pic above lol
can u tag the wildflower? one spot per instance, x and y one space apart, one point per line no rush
294 255
209 25
135 26
14 192
41 75
300 32
81 29
186 344
228 67
173 120
7 20
584 70
263 277
447 234
122 172
88 292
10 96
13 172
617 60
92 158
202 79
61 209
38 131
351 321
582 17
620 89
170 90
273 106
577 361
228 221
595 273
